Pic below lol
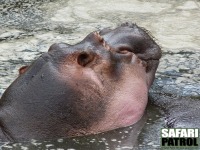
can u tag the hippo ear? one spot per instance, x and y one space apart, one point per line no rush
22 69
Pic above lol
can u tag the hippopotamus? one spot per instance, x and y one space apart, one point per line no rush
96 85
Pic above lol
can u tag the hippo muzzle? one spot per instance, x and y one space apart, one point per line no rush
97 85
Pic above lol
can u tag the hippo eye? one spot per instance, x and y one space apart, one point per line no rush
124 50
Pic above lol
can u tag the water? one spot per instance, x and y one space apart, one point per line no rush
29 27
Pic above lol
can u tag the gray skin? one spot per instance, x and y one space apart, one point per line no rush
94 86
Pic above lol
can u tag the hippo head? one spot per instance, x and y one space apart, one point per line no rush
94 86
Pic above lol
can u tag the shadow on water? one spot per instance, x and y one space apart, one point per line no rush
29 27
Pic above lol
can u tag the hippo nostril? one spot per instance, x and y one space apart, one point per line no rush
84 59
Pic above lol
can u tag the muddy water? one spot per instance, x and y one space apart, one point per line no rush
29 27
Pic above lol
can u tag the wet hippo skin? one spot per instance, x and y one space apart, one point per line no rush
97 85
